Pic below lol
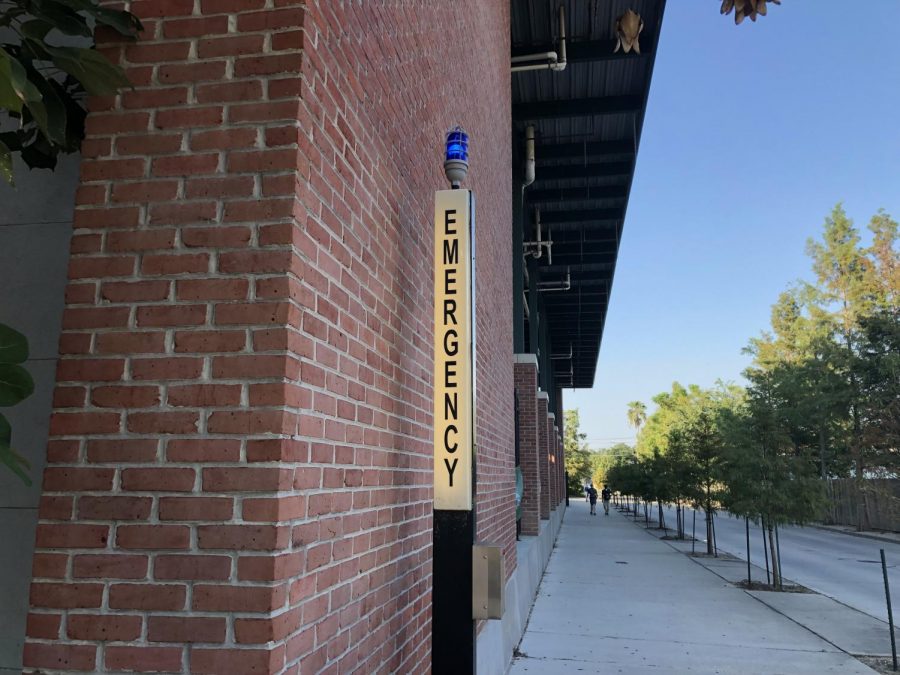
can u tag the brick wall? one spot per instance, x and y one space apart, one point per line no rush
543 454
239 471
526 375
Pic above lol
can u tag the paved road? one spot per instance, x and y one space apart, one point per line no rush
841 566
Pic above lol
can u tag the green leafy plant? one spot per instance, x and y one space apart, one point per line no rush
47 63
15 386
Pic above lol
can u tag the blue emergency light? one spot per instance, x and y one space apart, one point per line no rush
456 161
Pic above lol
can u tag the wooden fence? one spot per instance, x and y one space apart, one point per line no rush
872 505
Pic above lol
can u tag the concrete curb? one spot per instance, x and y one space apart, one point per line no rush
861 535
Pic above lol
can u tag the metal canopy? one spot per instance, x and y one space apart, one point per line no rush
587 121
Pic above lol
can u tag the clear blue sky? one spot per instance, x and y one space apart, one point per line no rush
753 133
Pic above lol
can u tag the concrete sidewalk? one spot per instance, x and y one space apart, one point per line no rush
615 599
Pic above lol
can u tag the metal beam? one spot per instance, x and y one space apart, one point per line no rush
583 149
577 107
581 216
622 169
586 193
586 50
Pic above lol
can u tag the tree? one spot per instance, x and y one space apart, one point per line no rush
15 386
578 458
47 64
766 481
604 460
637 414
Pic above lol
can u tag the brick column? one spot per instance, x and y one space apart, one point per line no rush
544 453
553 464
561 463
163 540
526 374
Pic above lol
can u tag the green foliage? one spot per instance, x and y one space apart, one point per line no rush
578 458
604 460
15 386
47 63
637 414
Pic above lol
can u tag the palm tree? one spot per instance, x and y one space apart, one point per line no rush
637 414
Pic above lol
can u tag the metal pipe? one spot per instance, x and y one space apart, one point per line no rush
550 286
534 57
887 595
553 60
529 155
560 63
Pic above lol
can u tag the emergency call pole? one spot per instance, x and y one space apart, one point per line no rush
453 618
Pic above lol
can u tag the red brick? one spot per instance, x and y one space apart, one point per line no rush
185 213
122 450
203 450
83 267
252 313
205 395
144 191
111 169
216 237
223 140
149 144
95 317
164 597
114 508
212 289
131 343
163 422
166 369
240 660
186 118
255 262
270 568
49 565
125 397
168 537
237 598
195 26
91 370
101 628
70 424
171 315
243 537
246 479
82 658
146 240
260 631
185 165
56 508
66 595
196 508
192 263
210 341
185 629
231 186
192 567
138 291
244 90
159 479
44 626
77 479
144 659
274 509
118 566
252 422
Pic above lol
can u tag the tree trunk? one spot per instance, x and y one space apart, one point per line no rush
822 450
709 532
776 572
662 522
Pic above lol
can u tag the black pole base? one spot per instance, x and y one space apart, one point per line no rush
452 626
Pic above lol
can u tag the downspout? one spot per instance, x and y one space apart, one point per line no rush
529 155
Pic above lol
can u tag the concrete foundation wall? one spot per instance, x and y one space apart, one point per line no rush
498 639
35 228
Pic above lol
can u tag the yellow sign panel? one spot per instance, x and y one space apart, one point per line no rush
453 386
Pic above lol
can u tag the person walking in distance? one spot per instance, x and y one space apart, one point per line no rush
606 495
592 496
